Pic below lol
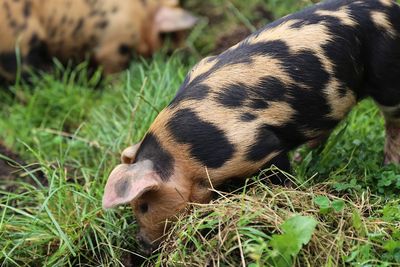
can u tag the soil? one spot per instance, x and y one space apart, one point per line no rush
230 39
7 170
261 14
11 173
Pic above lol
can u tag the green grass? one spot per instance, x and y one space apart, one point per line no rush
73 132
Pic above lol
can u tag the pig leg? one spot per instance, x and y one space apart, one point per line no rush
281 162
392 142
311 144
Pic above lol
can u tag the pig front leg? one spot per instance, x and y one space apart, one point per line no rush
282 163
298 158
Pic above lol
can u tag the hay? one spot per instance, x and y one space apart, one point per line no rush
234 230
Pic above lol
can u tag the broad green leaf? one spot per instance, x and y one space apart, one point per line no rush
297 231
338 205
322 201
301 227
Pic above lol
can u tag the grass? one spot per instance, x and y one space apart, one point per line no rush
250 228
75 133
345 203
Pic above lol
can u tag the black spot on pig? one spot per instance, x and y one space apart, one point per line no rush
306 68
208 144
266 143
246 51
290 135
303 67
78 26
246 117
195 92
233 96
151 149
114 9
316 19
312 109
244 54
346 57
102 24
258 104
270 88
267 89
393 16
27 9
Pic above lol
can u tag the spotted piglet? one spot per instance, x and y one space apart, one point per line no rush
107 32
287 84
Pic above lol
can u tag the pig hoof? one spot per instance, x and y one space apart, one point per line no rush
392 159
297 157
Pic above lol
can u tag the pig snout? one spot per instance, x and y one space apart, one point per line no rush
146 246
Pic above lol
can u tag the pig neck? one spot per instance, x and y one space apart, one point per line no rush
194 190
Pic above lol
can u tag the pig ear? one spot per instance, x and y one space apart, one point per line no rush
169 19
128 156
123 186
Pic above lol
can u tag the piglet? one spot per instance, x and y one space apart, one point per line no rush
285 85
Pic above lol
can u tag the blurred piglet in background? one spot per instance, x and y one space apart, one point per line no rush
106 32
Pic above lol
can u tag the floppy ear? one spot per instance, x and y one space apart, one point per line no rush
170 19
128 156
127 183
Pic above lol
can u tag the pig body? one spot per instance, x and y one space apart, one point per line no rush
105 31
287 84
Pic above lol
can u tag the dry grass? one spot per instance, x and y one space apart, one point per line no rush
236 228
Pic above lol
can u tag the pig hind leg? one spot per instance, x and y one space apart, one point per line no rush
392 125
388 99
385 90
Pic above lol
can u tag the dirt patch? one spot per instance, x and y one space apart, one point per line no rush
228 40
11 171
8 170
261 15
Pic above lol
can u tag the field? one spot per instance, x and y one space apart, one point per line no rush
343 210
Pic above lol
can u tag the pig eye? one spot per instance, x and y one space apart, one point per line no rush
144 207
124 49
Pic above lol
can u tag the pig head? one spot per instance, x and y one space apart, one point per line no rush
150 181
